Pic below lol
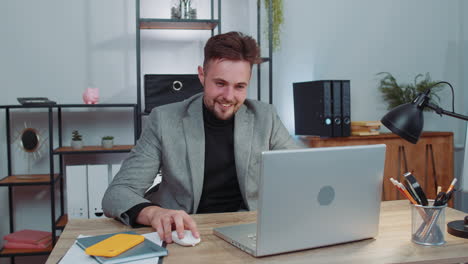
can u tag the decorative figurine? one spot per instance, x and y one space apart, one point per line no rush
91 96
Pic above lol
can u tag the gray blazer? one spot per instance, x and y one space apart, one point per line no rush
174 140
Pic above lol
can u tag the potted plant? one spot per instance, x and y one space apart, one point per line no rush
396 94
76 142
107 142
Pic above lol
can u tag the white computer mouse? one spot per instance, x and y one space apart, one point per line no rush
187 241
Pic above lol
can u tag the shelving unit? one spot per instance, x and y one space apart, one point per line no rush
93 149
25 252
25 180
195 24
268 59
52 178
199 24
12 180
167 24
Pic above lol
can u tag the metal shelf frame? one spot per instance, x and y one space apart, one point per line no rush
168 24
57 223
200 24
93 150
268 59
193 24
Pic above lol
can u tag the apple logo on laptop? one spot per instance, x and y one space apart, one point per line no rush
326 195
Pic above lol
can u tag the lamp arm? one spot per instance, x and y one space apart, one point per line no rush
441 111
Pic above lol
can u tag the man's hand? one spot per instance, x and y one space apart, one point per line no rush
163 220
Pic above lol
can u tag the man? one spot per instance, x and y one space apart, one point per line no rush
208 147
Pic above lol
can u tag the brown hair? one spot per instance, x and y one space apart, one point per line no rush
232 46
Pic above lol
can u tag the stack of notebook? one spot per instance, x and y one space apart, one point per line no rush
145 250
28 239
365 128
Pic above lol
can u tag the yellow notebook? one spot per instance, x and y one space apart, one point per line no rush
114 245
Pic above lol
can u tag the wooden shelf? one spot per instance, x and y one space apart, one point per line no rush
197 24
31 179
62 222
7 252
94 149
379 136
67 106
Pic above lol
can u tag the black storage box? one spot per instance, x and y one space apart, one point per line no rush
161 89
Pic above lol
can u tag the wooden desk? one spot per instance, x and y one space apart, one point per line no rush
392 245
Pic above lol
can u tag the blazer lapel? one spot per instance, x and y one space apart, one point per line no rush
243 131
195 140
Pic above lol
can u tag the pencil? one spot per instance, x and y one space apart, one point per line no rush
398 187
452 185
407 193
403 190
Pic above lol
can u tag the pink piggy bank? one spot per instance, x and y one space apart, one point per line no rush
91 96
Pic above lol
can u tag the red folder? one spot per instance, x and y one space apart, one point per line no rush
28 236
17 245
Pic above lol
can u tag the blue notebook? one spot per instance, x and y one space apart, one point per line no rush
144 250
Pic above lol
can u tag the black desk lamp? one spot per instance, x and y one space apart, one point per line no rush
407 121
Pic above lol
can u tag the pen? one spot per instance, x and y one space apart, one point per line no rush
395 183
439 199
402 191
452 185
448 196
407 193
396 186
444 198
429 225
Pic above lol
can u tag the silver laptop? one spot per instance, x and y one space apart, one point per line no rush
312 198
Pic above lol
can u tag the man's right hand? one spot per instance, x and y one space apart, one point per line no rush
163 221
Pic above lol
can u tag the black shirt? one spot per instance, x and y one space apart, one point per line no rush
221 191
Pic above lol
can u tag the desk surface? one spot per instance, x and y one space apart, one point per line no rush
392 245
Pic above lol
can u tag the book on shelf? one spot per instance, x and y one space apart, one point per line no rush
28 239
364 133
144 250
365 128
366 123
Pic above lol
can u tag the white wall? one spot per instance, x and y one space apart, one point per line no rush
463 199
338 39
57 48
354 40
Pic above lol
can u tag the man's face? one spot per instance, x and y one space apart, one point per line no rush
225 84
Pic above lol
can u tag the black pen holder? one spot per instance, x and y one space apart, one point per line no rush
428 224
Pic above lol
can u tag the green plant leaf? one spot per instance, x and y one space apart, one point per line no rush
277 21
396 94
76 135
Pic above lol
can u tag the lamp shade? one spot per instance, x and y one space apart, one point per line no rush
406 121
